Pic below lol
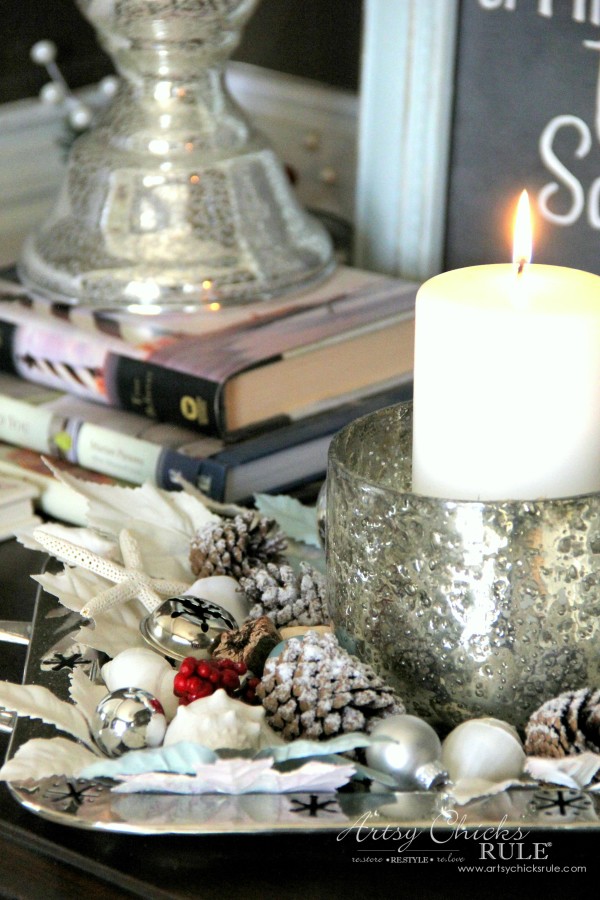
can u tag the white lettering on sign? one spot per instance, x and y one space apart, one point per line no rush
581 10
568 187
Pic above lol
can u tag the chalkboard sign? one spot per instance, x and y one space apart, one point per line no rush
526 115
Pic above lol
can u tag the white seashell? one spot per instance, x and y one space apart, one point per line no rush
486 749
142 668
224 591
220 722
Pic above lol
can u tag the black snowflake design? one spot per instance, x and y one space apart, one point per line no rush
59 661
201 612
314 807
70 795
561 802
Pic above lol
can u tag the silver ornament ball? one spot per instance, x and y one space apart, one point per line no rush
411 756
128 719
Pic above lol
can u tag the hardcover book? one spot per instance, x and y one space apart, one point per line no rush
132 448
246 378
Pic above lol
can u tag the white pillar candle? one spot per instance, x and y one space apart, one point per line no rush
507 383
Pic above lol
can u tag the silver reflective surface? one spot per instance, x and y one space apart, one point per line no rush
471 609
173 200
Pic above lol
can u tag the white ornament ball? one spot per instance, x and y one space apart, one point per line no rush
144 669
224 591
486 748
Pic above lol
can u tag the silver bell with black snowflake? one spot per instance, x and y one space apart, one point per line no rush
186 626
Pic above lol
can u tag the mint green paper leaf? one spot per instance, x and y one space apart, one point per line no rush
295 519
303 749
181 759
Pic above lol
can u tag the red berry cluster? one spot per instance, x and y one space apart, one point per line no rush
199 678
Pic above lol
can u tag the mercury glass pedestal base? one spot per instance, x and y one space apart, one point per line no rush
470 608
173 200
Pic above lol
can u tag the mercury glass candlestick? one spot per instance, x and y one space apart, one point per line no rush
174 200
470 608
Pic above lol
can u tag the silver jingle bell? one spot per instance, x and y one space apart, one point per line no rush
128 719
186 626
412 754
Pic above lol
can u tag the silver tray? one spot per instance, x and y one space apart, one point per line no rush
53 653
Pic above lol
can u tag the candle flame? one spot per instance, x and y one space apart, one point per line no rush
522 240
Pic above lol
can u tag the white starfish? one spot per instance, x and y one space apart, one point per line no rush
130 579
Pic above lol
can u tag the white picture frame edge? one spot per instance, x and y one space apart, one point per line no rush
404 130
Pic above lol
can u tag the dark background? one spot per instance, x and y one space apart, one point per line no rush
316 39
515 72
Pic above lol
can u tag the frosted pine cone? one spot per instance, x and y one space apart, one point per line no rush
287 598
315 689
234 546
566 725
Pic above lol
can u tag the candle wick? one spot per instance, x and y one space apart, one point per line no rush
521 266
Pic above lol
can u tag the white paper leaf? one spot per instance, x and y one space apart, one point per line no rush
163 522
241 776
73 586
574 772
36 702
85 694
294 518
468 789
42 758
115 631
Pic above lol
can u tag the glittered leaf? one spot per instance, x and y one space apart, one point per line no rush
295 519
42 758
36 702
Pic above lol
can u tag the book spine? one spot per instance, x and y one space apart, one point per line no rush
157 392
106 451
105 370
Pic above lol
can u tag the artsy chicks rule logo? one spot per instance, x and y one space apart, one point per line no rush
447 838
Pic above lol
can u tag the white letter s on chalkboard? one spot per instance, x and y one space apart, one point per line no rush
552 162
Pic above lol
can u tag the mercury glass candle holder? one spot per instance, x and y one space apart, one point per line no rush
469 608
173 200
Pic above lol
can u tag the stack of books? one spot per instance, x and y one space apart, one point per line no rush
235 401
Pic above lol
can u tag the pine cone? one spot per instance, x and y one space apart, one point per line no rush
566 725
234 546
287 598
315 689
